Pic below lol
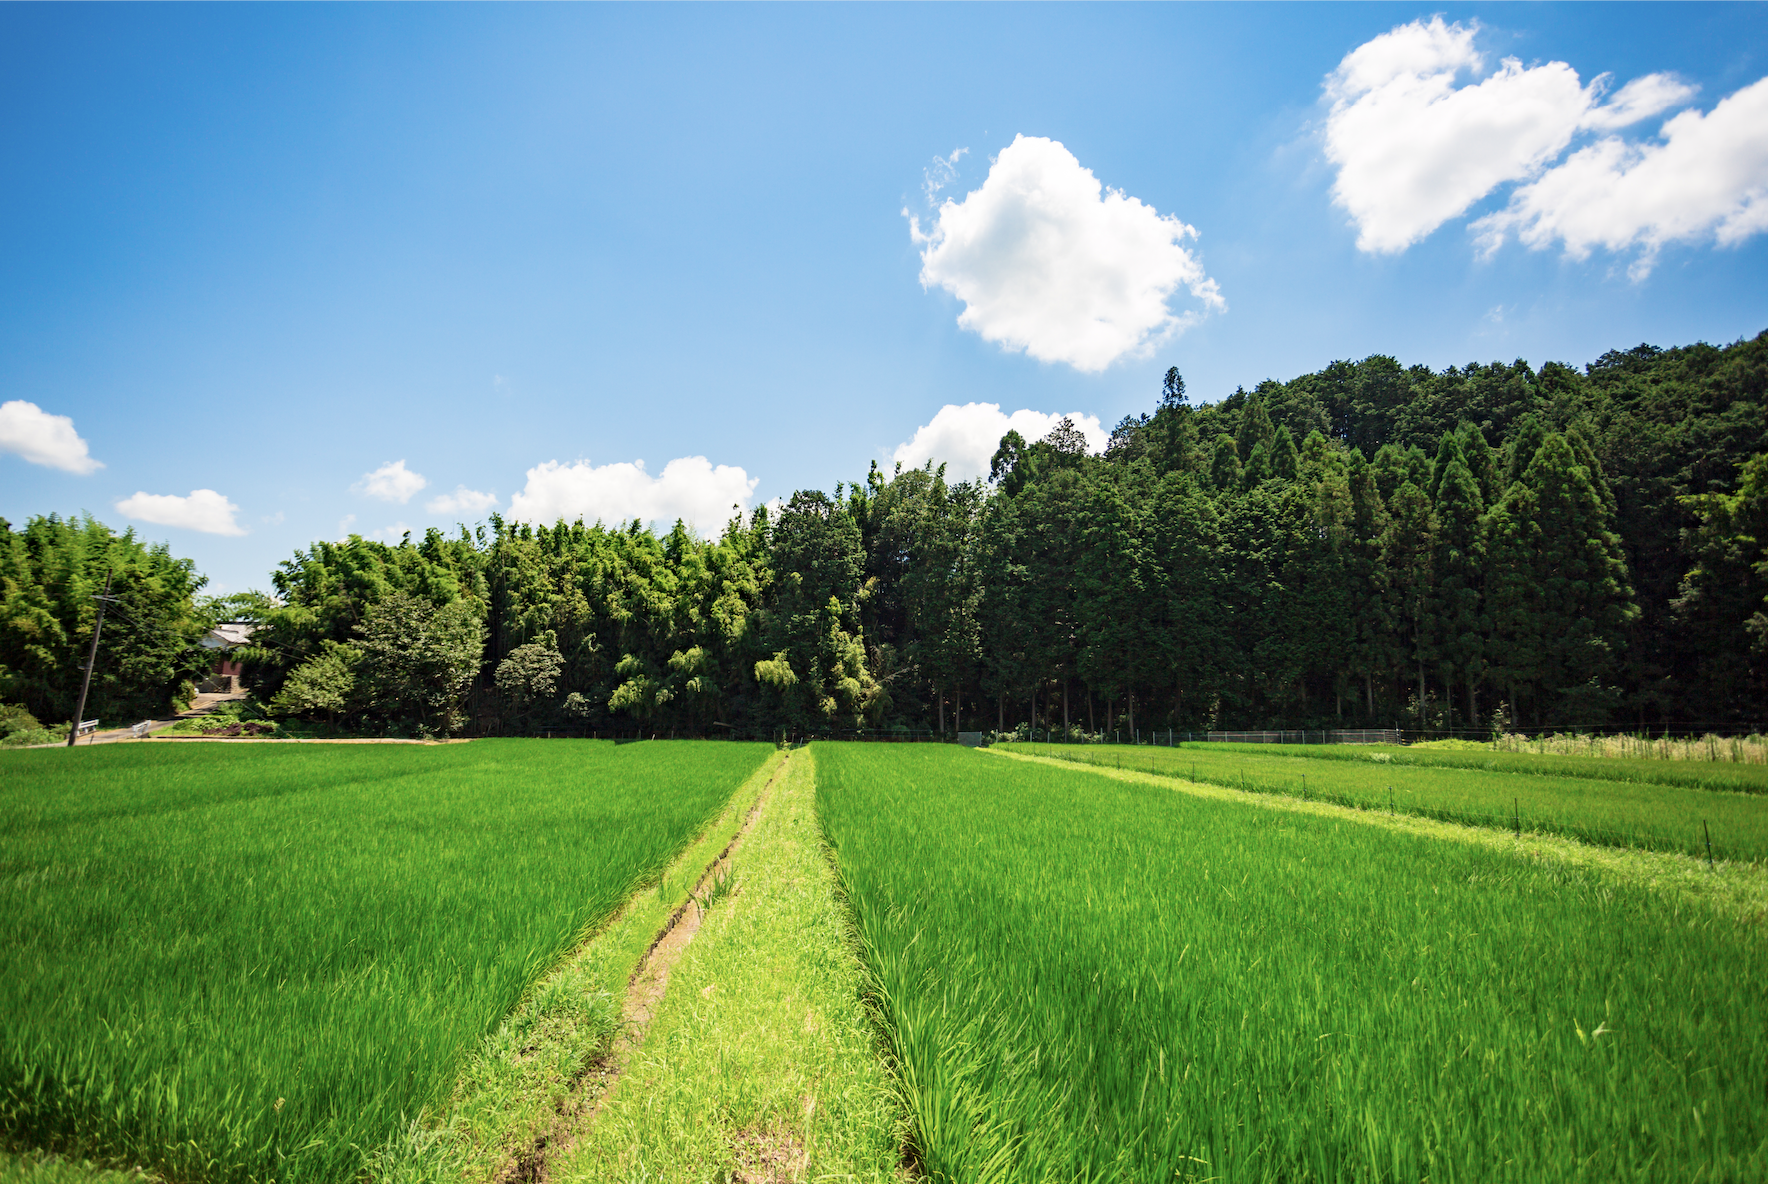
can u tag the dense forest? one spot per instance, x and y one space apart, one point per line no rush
1368 545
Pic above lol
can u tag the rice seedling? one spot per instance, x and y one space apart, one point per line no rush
1611 813
1086 979
244 964
1689 774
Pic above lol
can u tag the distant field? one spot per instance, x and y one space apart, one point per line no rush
1617 813
1733 777
239 963
1085 979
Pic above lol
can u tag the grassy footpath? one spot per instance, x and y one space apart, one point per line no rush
233 964
761 1060
40 1168
531 1070
1087 979
1613 813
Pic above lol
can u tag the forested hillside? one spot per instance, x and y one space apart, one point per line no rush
1369 544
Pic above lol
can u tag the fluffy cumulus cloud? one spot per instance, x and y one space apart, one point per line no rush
1413 149
689 488
964 438
203 510
1706 176
468 502
43 439
392 482
1049 261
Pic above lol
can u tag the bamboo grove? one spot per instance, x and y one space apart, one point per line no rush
1368 545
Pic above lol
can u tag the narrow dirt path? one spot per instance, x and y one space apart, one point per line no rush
644 992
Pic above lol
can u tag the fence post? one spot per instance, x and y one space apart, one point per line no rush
1709 837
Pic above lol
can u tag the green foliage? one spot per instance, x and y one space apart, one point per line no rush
266 962
19 728
50 575
324 684
1087 979
418 660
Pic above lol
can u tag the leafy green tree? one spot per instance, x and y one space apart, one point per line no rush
1224 468
1255 429
418 661
51 573
1721 612
324 684
1285 460
529 675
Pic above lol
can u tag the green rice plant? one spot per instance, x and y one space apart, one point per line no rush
1731 778
1088 979
1611 813
258 962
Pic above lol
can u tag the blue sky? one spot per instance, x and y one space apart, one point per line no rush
257 256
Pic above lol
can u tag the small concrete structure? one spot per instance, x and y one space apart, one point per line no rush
973 739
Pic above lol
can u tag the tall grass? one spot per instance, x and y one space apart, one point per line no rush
1743 750
253 964
1611 813
1090 980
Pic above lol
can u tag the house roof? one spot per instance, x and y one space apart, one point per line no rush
228 634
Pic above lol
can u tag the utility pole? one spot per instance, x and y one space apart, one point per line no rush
91 657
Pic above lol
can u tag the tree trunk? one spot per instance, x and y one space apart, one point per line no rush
1065 707
1421 694
958 712
1369 693
941 712
1472 703
1001 708
1132 705
1090 725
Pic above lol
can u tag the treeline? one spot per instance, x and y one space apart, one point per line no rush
1369 545
51 575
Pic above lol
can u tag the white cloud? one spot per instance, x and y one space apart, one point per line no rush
689 488
964 438
203 510
1048 261
392 482
345 525
469 502
43 439
1707 177
942 172
391 534
1413 150
1639 99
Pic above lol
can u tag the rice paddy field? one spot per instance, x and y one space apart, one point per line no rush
1087 979
1640 804
245 963
1610 764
